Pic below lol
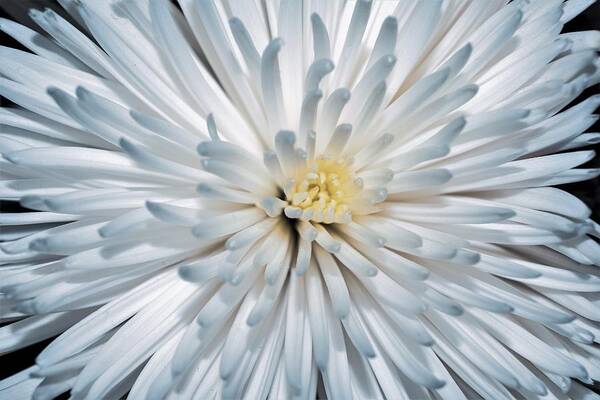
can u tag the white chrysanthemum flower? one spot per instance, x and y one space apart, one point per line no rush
281 199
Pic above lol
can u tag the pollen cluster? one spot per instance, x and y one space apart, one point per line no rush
323 192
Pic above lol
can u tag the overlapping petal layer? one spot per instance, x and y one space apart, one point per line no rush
284 199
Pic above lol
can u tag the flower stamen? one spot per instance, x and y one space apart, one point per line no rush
322 192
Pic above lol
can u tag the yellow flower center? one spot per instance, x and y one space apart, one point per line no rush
324 191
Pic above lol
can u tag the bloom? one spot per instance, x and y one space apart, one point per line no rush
243 199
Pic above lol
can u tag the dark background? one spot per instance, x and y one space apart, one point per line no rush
588 191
